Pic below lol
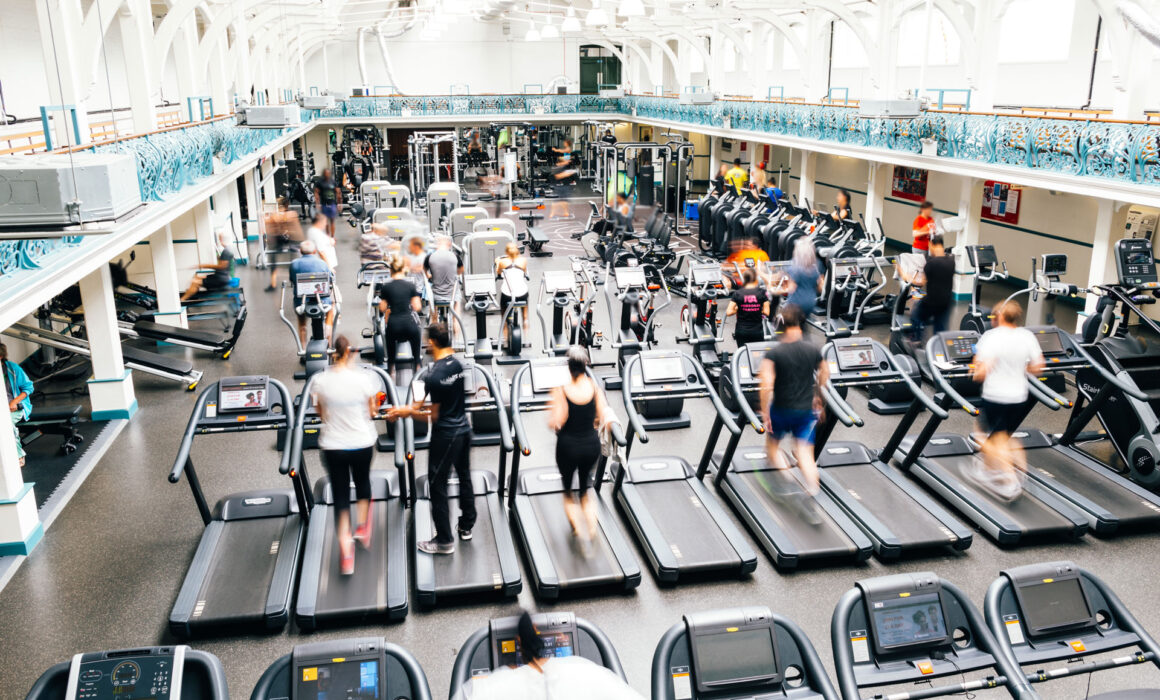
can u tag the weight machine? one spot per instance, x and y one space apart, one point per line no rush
423 161
362 153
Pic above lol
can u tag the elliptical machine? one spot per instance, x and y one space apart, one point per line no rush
631 288
700 327
479 296
986 264
315 291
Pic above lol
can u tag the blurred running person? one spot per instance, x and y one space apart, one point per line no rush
513 287
750 304
309 262
938 279
346 397
399 302
923 228
222 275
804 280
329 197
443 266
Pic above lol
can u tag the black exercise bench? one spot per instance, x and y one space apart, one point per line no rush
536 237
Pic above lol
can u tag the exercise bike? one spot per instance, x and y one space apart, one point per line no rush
559 290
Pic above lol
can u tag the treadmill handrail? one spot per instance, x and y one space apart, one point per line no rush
1110 377
942 382
1121 296
1046 395
843 411
505 431
754 421
517 419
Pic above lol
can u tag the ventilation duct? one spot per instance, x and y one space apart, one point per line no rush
495 8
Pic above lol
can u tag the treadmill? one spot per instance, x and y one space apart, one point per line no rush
379 586
898 518
1112 503
497 646
487 564
535 503
779 524
161 673
938 460
246 564
1056 612
680 526
372 665
738 654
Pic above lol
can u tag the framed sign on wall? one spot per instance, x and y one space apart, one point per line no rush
909 184
1001 202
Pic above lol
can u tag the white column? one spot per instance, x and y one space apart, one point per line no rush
203 230
165 281
1102 266
886 53
231 214
136 42
817 64
987 67
970 207
20 527
253 205
111 386
65 70
807 167
1131 91
876 193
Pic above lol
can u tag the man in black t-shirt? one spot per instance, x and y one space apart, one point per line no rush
790 403
445 404
329 198
938 279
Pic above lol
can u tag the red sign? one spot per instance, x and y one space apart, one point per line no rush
909 184
1001 202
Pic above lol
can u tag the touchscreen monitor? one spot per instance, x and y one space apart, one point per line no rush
238 396
556 281
307 285
629 277
961 348
844 269
706 274
347 679
556 644
730 658
1049 343
985 255
1053 604
549 375
916 620
1139 257
664 368
855 356
1055 264
478 285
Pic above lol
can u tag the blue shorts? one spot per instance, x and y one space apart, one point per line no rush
800 424
330 211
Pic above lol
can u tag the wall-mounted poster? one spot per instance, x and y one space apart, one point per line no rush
646 133
909 183
1001 202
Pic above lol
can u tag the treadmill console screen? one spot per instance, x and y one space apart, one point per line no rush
148 675
731 658
478 285
629 277
1055 264
916 620
558 281
243 394
1051 604
843 269
961 348
1049 343
1134 262
310 284
855 356
342 678
984 255
661 368
556 630
548 375
706 275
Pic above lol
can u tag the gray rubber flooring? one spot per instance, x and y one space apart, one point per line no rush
110 568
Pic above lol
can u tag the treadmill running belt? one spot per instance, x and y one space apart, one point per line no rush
476 561
573 566
175 365
1030 512
825 539
1091 484
687 527
365 591
243 566
160 331
906 520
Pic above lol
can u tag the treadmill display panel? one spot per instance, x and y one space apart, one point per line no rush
962 348
558 281
1054 604
916 620
308 285
556 644
133 678
548 375
662 369
627 277
243 395
732 658
1049 343
706 275
985 255
339 679
855 356
478 285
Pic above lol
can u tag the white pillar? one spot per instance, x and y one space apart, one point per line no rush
1102 266
111 386
817 65
1128 100
203 229
876 193
136 40
987 66
253 205
970 207
20 526
65 70
165 281
807 167
885 55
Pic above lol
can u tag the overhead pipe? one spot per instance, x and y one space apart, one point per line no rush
495 9
361 52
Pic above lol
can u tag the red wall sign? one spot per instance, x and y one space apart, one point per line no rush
1001 202
909 184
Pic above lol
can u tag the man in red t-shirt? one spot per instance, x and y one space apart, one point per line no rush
923 228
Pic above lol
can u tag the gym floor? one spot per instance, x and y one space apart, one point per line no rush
108 571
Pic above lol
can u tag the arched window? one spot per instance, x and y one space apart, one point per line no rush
943 48
1036 31
848 49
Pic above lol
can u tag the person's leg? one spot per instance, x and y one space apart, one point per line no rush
18 416
438 472
416 345
804 450
194 288
392 347
587 499
337 463
302 330
566 463
917 321
329 324
504 302
462 460
940 320
360 471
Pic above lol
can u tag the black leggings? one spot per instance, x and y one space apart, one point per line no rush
344 467
577 454
744 337
402 332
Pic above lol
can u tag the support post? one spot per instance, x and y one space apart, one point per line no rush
970 207
111 386
807 167
136 37
876 193
20 526
1102 266
165 281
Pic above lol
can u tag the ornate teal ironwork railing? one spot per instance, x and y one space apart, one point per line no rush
167 162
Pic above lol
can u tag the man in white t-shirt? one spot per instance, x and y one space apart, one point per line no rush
1004 356
323 243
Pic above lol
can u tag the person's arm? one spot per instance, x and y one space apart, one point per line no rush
319 404
1036 365
603 414
557 409
981 360
767 375
416 301
373 405
765 308
731 309
822 377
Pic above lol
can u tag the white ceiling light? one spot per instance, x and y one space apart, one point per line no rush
532 34
549 31
631 8
597 17
570 23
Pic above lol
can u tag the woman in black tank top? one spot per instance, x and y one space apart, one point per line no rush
576 408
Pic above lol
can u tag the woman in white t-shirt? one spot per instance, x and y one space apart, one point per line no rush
346 397
1003 357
